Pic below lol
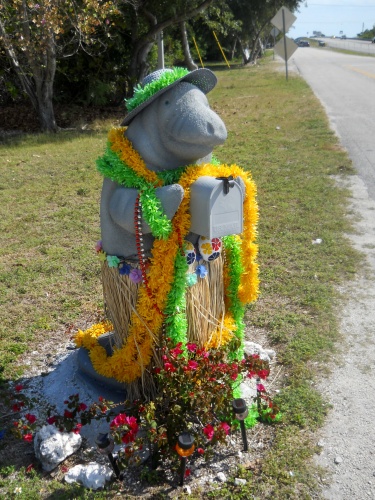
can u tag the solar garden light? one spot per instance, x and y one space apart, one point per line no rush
185 447
241 412
105 445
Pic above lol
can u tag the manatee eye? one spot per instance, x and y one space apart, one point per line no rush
166 102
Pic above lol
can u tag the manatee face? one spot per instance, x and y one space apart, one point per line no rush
177 128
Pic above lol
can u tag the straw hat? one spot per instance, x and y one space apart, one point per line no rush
158 82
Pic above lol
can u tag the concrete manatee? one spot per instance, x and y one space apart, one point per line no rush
159 281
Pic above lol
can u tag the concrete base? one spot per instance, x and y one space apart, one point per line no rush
87 370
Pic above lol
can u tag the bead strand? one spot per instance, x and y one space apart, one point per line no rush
141 250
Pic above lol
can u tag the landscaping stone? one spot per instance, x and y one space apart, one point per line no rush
52 446
93 475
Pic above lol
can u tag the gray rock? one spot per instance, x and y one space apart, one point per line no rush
221 477
52 446
239 482
338 460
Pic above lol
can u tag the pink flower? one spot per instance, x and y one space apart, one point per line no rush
209 431
98 246
30 418
200 451
225 427
28 437
191 347
261 388
192 365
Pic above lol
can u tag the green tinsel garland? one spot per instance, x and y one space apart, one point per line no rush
142 94
111 166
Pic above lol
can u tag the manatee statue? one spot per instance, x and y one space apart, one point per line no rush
163 278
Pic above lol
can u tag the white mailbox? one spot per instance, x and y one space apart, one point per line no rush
216 207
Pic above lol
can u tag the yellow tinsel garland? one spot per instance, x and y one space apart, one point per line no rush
127 363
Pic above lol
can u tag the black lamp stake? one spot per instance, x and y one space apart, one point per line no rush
105 446
184 447
241 412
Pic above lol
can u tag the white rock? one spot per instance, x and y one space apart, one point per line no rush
239 482
52 446
221 477
254 348
187 489
93 475
338 460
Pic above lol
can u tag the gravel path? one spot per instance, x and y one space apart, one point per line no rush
347 440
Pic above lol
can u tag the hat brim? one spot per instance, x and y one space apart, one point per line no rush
202 78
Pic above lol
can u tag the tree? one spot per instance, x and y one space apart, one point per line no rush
255 17
147 18
35 35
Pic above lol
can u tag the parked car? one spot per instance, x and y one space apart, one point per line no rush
373 40
303 43
321 44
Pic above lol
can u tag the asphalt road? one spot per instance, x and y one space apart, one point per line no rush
345 84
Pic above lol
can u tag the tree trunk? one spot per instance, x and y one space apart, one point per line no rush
188 60
38 87
44 79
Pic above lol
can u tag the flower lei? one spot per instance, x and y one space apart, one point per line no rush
122 164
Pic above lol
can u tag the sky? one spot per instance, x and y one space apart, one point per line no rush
332 17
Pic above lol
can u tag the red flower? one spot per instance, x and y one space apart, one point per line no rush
200 451
29 468
157 370
82 407
216 244
30 418
191 347
16 407
263 374
187 472
28 437
177 350
51 420
77 428
19 387
261 388
101 398
68 414
169 367
209 431
192 365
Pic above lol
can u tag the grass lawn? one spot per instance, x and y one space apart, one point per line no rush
49 274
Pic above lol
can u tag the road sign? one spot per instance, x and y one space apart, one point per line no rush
274 32
278 20
285 48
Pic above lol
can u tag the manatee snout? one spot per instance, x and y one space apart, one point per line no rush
188 122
